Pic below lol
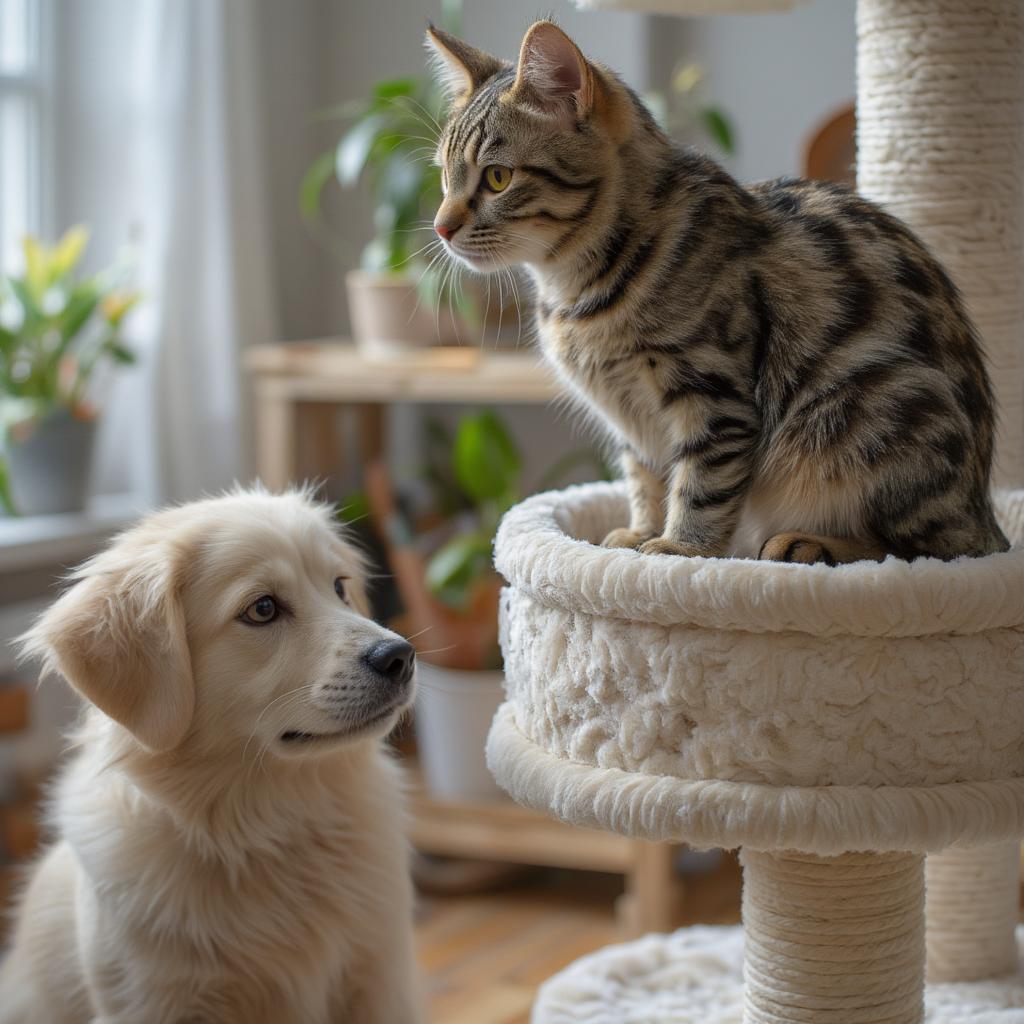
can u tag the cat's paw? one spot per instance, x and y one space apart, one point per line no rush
664 546
624 537
795 547
810 550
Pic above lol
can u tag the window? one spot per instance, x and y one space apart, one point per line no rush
24 101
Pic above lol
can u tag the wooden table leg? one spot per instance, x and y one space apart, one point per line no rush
371 431
276 441
320 457
652 889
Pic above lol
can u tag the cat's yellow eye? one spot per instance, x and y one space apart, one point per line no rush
497 178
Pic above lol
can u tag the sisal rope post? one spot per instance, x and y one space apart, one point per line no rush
940 143
972 901
940 140
833 938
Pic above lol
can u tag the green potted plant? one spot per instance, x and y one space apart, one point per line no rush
401 296
57 328
441 560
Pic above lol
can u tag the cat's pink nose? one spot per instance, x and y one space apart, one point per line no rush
445 231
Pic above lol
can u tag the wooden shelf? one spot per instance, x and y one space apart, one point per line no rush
503 831
336 371
500 830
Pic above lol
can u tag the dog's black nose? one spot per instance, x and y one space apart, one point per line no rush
393 659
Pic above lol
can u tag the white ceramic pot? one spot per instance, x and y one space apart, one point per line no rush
454 711
388 317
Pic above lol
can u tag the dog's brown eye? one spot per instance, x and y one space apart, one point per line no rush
339 588
263 610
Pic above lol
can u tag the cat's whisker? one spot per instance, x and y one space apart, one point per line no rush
433 123
487 314
440 254
519 307
433 243
443 291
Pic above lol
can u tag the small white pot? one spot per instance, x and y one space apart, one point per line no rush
389 318
454 710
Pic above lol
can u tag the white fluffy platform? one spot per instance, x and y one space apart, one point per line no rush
731 702
695 976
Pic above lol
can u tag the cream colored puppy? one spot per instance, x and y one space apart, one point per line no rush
230 846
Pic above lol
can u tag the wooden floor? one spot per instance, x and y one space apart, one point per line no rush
484 956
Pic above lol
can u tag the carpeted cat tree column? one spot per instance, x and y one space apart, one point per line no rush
837 724
940 108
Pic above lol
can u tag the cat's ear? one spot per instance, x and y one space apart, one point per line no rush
553 75
459 67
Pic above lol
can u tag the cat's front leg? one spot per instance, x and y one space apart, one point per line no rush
707 485
646 504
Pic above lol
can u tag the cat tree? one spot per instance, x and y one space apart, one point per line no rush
836 724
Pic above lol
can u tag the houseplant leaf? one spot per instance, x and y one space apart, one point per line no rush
399 184
457 564
487 462
28 302
37 272
313 182
68 251
80 307
394 87
120 353
356 146
718 126
6 499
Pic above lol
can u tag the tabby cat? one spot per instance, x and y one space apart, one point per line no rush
786 369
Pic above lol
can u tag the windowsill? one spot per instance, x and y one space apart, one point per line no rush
29 542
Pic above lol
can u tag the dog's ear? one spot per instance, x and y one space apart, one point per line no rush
118 637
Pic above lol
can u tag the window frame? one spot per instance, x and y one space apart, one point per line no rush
36 84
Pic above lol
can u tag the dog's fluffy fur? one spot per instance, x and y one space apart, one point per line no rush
207 868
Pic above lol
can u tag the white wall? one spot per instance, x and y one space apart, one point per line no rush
779 76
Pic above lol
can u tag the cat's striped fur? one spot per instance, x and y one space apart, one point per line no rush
785 367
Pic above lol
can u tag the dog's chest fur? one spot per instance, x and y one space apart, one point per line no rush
279 931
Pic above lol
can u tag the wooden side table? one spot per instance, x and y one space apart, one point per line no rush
299 387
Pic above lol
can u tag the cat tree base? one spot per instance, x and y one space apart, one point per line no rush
695 976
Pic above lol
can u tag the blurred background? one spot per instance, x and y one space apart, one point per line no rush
211 217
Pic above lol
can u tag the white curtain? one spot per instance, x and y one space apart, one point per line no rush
191 172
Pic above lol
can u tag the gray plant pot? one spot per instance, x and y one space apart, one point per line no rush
49 461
